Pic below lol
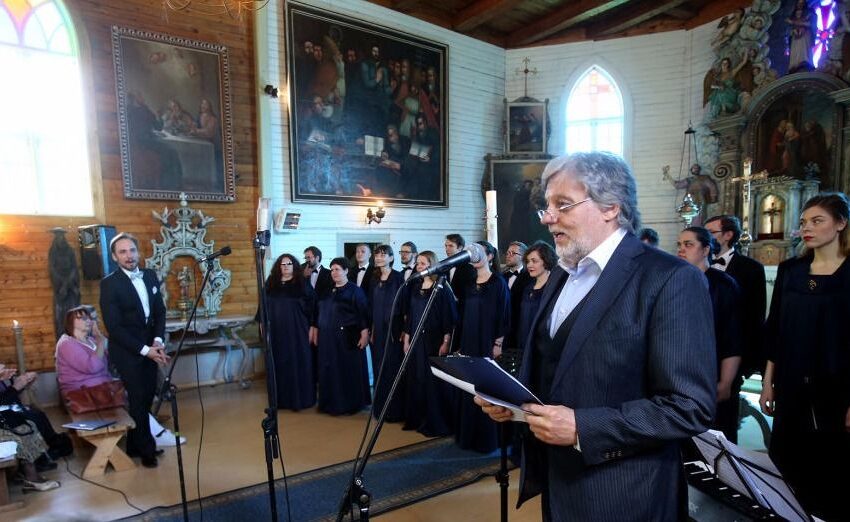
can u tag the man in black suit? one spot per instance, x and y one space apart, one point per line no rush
134 314
517 278
363 271
461 276
749 274
408 253
319 276
620 353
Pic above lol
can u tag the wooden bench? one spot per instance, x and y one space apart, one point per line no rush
5 503
105 440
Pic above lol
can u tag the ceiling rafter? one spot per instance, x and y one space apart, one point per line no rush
560 19
715 10
481 12
633 17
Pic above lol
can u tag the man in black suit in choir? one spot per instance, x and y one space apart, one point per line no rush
461 276
517 278
134 315
363 271
620 353
408 253
749 274
319 276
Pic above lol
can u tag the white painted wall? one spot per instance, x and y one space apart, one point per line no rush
661 79
661 76
476 88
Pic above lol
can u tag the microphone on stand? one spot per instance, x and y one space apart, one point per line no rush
473 253
223 252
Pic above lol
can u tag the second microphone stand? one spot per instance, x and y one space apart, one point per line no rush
356 492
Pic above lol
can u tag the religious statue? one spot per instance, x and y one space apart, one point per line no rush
701 187
800 39
771 221
184 279
727 28
722 87
65 278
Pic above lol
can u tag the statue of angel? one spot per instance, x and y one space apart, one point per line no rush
722 87
727 28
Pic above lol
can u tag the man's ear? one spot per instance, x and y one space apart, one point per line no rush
611 213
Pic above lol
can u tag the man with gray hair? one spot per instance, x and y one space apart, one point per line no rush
620 354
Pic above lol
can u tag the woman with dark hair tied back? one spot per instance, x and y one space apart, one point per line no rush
539 260
291 305
343 333
485 319
428 399
806 385
696 246
385 365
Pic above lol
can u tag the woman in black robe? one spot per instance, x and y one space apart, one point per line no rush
386 357
539 260
806 385
485 320
291 304
428 405
343 333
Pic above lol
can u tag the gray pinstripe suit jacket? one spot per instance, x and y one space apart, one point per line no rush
639 369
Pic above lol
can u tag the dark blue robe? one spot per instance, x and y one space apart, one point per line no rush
527 310
485 317
429 399
343 376
382 295
290 311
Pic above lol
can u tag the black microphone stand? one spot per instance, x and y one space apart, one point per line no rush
356 492
269 424
168 391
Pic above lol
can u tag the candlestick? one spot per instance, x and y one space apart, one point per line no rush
19 346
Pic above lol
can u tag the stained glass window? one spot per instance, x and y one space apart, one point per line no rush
595 114
44 163
825 17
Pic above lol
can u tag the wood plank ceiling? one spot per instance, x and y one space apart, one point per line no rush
522 23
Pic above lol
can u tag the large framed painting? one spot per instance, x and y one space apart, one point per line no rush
174 117
519 194
368 112
527 127
797 136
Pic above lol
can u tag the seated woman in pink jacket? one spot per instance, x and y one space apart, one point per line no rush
81 360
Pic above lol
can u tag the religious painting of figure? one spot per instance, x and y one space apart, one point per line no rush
794 137
519 195
368 112
174 117
527 127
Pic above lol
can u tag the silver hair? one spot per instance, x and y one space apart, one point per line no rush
607 178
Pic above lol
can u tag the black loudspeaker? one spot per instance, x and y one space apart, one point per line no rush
94 250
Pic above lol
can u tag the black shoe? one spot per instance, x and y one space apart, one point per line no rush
149 462
44 464
134 453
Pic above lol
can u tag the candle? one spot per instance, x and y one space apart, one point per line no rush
19 346
491 217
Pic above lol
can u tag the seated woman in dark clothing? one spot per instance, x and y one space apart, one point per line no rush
343 334
695 245
428 405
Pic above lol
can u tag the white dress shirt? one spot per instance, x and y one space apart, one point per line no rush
361 273
726 257
142 291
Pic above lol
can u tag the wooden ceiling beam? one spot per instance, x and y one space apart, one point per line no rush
563 18
578 34
481 12
714 10
682 13
650 27
633 17
405 5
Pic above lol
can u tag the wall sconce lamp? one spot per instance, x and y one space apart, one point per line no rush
271 90
377 216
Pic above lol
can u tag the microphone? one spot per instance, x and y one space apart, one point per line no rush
473 253
223 252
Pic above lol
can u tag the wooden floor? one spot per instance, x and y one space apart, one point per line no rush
232 456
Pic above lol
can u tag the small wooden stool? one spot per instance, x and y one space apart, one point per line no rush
5 504
105 440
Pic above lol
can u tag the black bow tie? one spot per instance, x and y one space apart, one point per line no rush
511 273
361 269
408 268
719 261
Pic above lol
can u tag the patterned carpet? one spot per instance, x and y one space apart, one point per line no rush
395 478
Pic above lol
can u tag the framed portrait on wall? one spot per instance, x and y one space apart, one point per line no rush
527 126
519 194
368 112
174 117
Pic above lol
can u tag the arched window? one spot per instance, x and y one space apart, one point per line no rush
594 114
44 158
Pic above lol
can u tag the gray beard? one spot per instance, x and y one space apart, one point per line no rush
571 254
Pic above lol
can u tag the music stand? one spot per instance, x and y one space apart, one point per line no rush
751 474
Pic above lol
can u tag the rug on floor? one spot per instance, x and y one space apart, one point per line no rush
395 478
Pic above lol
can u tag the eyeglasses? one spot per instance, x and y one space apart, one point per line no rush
715 232
512 253
286 264
542 213
405 251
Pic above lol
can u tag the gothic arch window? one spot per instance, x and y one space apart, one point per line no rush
595 115
44 155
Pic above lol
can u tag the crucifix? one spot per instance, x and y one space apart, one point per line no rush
526 71
771 214
746 179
